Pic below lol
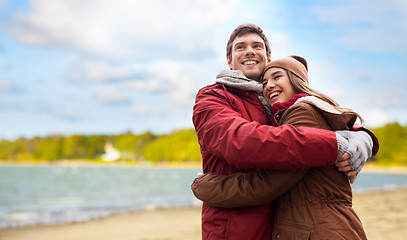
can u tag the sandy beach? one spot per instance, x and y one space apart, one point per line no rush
384 216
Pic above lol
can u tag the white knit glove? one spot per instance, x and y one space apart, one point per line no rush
358 144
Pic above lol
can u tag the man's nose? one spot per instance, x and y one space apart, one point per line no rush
249 51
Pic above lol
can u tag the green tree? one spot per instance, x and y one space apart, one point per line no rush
49 148
6 149
73 147
392 141
131 146
179 146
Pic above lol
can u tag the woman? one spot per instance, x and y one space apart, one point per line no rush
319 206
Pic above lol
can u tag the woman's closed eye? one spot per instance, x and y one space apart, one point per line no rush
264 83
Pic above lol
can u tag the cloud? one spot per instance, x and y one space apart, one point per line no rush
149 85
67 115
110 95
145 110
6 66
392 97
98 71
12 107
184 84
364 76
326 75
7 86
172 79
369 25
376 118
279 43
123 28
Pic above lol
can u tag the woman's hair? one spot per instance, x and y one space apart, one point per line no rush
300 86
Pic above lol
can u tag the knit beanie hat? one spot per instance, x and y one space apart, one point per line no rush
294 64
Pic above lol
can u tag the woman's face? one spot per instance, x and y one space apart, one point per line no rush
277 86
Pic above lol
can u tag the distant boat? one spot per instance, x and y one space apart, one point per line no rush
111 153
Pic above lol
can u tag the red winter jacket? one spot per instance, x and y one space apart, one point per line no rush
232 130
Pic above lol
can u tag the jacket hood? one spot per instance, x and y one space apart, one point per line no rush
319 104
337 119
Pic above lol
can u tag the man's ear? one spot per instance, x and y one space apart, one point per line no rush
229 63
268 58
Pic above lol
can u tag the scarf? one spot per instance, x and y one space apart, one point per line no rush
278 106
236 79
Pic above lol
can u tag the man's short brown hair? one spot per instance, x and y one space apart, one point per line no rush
242 30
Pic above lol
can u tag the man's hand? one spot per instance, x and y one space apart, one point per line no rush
343 165
358 144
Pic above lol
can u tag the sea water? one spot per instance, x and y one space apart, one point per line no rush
55 194
47 195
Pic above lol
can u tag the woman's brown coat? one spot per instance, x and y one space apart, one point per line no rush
318 207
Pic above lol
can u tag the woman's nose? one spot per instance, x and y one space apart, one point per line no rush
270 85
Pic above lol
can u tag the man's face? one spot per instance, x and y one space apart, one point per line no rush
249 55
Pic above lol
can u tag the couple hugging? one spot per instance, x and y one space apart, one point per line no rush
278 156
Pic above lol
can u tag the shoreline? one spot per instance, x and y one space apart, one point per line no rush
383 214
368 168
84 163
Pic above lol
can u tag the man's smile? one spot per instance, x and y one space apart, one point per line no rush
249 62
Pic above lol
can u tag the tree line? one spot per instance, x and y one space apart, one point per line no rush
177 147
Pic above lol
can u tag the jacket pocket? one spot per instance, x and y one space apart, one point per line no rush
249 225
285 230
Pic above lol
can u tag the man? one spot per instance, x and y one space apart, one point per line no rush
231 125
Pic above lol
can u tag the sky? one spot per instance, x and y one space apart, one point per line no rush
108 67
